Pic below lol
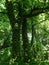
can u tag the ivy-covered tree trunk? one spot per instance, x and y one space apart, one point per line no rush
16 42
15 30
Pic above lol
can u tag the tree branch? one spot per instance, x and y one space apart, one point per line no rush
45 30
36 11
39 22
33 12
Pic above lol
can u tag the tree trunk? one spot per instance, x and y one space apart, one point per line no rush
33 32
15 30
26 44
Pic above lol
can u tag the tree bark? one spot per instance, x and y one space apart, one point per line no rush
15 30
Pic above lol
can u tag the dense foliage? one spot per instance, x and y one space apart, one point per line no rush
24 32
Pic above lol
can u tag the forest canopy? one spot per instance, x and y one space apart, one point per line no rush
24 32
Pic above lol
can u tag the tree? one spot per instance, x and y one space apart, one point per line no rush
18 14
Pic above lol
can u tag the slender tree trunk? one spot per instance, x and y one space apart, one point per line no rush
33 32
33 46
26 47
